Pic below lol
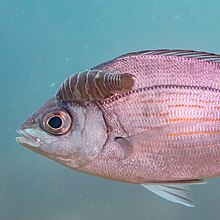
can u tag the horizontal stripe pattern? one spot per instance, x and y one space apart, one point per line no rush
158 106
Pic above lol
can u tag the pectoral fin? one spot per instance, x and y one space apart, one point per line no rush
179 193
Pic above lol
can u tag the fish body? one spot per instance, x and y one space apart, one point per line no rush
171 93
160 126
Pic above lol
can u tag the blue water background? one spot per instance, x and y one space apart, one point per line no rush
42 43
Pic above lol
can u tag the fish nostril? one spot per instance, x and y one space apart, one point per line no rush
32 121
28 124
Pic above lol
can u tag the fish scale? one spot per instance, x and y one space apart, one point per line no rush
154 114
151 70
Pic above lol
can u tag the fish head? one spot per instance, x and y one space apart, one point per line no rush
68 132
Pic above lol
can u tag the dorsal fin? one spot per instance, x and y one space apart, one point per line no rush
211 57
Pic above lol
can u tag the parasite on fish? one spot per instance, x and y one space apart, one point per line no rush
94 85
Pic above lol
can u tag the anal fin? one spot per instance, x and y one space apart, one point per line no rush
178 193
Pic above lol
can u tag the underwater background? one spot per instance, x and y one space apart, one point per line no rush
41 44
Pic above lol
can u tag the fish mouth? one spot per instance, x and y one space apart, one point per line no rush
34 143
27 139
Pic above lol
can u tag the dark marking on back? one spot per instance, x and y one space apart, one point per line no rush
94 85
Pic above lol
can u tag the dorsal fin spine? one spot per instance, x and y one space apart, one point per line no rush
190 54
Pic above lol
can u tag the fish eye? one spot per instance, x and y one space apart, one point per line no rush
57 123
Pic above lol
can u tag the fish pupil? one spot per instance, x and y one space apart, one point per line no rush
55 122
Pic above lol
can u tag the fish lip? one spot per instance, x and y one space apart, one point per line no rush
26 139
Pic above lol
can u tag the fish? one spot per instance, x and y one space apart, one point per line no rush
150 118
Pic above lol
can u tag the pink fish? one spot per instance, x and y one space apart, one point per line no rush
149 118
